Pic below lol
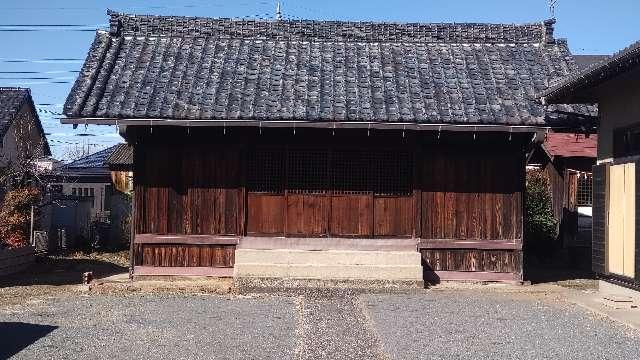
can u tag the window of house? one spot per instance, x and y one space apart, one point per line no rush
584 196
74 191
626 141
91 193
339 171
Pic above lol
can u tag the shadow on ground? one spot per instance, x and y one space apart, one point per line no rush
16 336
62 270
554 270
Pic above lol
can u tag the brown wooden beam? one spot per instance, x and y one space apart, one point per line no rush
186 239
182 271
322 244
438 276
471 244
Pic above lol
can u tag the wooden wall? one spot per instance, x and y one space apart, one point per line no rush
497 261
323 185
189 190
471 195
181 255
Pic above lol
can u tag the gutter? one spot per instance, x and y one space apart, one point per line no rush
304 124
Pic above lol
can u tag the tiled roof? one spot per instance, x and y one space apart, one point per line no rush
121 156
11 101
584 61
567 90
91 161
571 145
158 67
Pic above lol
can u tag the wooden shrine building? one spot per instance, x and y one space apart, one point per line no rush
332 150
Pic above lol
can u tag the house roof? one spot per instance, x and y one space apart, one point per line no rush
584 61
90 165
11 101
122 156
179 68
571 145
569 89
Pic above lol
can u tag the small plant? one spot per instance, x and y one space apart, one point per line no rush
15 216
540 224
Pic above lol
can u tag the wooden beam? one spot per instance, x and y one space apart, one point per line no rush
186 239
470 244
438 276
182 271
329 243
406 126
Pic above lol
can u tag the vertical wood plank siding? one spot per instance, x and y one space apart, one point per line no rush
188 191
471 195
598 246
498 261
176 255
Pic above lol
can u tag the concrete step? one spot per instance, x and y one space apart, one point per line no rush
329 272
329 257
328 264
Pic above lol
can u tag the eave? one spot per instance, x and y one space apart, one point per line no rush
307 124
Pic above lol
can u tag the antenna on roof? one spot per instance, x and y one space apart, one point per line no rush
552 8
278 11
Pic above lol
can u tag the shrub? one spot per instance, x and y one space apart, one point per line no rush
540 224
15 216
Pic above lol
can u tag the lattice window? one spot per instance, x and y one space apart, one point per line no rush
308 171
266 170
341 171
352 172
392 173
584 196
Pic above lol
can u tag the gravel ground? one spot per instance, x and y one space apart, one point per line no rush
339 324
490 325
160 327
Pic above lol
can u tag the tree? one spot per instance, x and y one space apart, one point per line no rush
540 224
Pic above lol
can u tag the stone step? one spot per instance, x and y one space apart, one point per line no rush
329 257
329 272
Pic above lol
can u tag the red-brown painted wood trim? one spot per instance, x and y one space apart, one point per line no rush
328 243
437 276
470 244
186 239
182 271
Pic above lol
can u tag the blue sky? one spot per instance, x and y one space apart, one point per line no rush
47 58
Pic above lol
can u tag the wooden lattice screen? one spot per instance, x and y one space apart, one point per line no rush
324 171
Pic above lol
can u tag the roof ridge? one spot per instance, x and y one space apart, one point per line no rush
122 24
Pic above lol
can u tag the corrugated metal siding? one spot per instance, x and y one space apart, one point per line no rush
598 252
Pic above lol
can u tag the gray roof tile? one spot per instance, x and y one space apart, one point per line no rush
220 69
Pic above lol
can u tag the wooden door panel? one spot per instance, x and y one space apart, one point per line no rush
393 216
265 214
307 215
615 237
351 215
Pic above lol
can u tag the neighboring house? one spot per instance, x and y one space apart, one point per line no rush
614 85
89 177
120 163
87 206
567 159
21 132
261 145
